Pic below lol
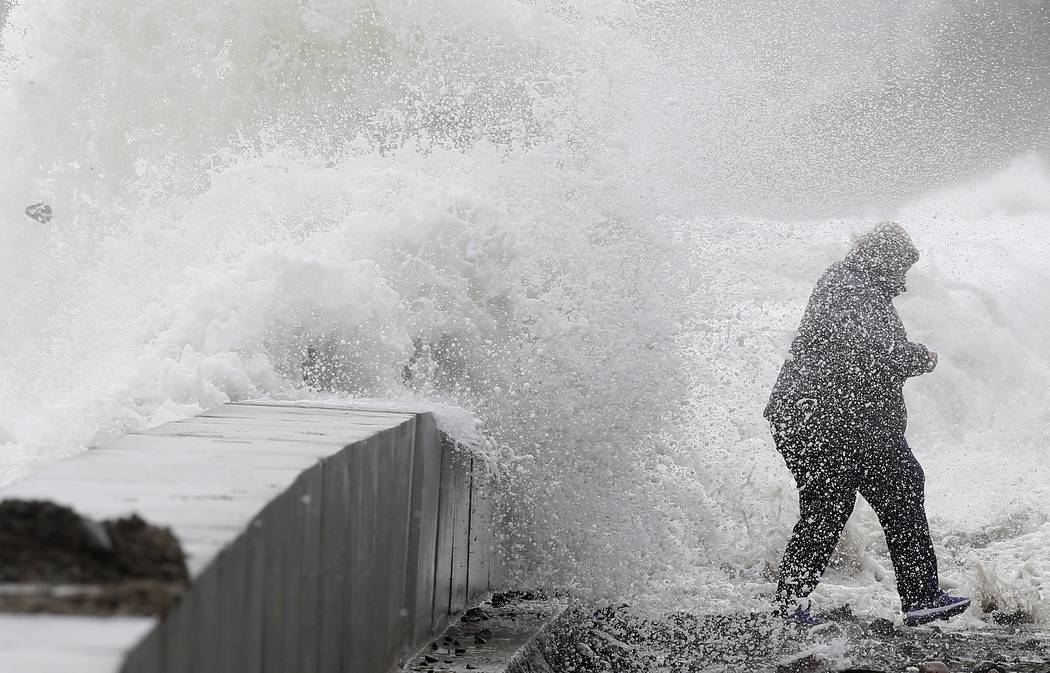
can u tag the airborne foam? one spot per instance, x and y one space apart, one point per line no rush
540 220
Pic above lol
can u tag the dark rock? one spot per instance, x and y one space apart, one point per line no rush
474 615
1015 618
42 543
485 633
807 664
479 640
461 651
841 613
501 598
430 659
145 551
95 536
882 627
618 640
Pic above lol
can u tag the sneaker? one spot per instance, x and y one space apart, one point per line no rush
942 606
804 618
799 615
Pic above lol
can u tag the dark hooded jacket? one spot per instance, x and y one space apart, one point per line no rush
850 357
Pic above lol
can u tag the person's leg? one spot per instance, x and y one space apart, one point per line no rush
893 483
827 491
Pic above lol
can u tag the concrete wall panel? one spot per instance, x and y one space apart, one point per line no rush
445 534
362 653
461 462
482 546
253 628
380 502
423 530
292 575
176 643
334 599
319 539
310 615
206 632
233 586
277 524
147 655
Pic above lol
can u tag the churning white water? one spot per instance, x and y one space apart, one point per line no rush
589 226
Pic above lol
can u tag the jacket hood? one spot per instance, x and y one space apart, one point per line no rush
886 252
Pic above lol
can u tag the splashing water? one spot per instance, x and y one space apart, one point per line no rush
592 226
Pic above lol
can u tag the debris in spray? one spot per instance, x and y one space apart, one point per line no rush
41 212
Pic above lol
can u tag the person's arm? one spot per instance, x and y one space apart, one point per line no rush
905 358
867 331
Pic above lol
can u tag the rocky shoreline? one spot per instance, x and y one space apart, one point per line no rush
615 639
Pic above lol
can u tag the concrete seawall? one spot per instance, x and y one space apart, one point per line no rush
318 539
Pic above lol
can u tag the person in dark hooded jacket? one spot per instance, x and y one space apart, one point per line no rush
838 418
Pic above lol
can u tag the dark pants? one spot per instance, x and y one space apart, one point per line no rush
830 468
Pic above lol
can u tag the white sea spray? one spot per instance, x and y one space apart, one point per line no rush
583 231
